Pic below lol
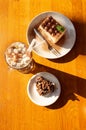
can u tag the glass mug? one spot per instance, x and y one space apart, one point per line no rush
17 57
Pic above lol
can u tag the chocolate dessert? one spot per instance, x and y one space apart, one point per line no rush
44 86
51 30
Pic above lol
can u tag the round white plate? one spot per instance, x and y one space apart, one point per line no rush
68 41
43 100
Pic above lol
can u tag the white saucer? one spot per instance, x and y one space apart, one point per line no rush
68 41
43 100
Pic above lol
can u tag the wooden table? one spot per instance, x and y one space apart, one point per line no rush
17 112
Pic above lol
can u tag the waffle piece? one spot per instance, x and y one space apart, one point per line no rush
44 86
51 30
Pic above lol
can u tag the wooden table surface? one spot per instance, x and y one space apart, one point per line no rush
17 112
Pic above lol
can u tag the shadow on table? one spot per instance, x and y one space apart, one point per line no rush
80 44
70 85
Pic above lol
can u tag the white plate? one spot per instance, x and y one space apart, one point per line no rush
43 100
68 41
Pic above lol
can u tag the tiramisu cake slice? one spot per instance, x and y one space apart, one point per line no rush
51 30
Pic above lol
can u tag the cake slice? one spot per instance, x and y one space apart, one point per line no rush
51 30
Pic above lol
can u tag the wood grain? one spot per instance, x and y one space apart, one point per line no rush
16 109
